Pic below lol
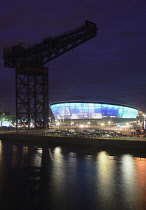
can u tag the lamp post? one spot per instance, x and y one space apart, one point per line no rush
88 123
58 123
102 124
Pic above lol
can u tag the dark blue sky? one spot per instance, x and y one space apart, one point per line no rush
109 67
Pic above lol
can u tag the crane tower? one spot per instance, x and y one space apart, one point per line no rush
32 75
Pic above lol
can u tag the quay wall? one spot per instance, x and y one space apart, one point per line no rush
108 143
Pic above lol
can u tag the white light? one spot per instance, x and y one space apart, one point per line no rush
81 126
58 123
57 150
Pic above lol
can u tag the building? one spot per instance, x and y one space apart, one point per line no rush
93 113
92 110
6 119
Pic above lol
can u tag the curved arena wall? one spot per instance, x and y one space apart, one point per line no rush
91 111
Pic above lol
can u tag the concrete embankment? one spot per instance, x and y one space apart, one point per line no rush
38 140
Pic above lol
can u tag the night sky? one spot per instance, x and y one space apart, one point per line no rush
110 67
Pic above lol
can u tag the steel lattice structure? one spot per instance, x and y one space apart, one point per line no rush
32 76
32 96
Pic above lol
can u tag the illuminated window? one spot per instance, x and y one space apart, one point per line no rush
91 111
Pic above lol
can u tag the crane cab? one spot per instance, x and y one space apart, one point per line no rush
13 51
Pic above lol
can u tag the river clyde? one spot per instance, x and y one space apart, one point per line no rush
59 177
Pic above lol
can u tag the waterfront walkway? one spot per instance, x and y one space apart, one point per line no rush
43 139
79 135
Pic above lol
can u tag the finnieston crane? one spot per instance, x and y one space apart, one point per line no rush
32 75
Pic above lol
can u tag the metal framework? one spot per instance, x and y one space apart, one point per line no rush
32 97
32 76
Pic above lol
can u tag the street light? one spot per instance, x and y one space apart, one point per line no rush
102 124
57 124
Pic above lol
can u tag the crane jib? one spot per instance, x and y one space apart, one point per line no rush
23 55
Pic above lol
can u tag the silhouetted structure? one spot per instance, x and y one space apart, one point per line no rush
32 76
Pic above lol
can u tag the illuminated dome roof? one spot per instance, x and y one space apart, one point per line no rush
6 123
91 110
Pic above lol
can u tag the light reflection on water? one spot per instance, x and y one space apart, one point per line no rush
70 179
1 152
58 176
105 180
129 180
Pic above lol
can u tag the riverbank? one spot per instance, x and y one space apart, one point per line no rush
99 143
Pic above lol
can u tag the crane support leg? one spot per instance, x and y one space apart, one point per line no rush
32 97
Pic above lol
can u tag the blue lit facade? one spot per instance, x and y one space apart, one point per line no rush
87 110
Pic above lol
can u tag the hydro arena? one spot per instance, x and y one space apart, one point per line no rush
97 115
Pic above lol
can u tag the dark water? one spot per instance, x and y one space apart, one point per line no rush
64 178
